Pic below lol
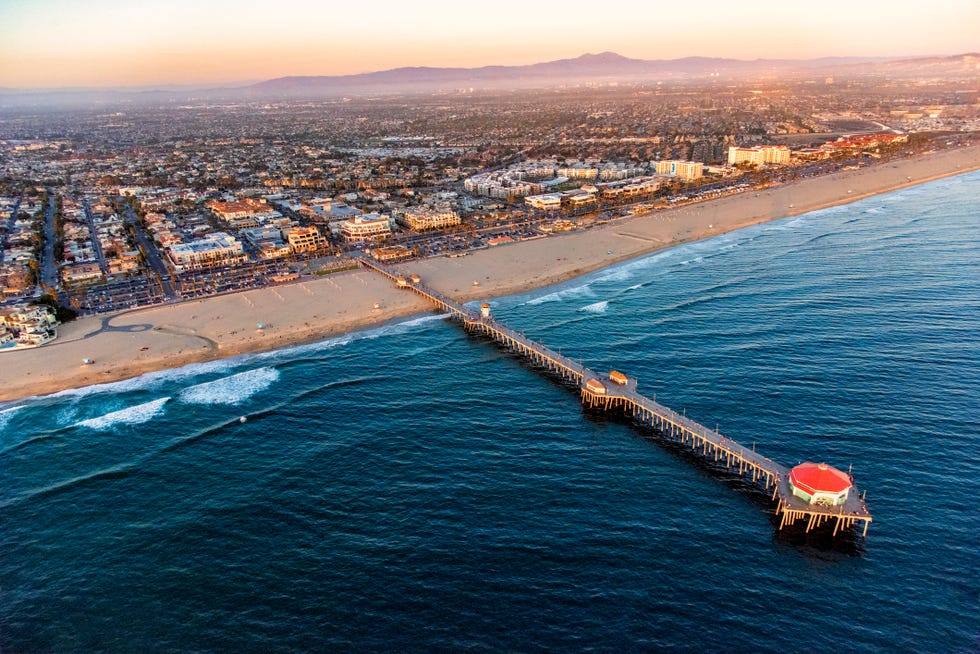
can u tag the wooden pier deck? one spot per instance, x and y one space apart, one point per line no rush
606 394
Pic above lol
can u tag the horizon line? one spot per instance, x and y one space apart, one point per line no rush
241 83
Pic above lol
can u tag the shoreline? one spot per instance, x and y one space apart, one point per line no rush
138 341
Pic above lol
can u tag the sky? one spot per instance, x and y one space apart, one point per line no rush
116 43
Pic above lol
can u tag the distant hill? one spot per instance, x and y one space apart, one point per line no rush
604 67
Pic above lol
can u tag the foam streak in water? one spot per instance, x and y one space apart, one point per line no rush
231 390
7 414
133 415
598 307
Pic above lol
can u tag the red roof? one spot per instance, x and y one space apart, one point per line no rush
819 477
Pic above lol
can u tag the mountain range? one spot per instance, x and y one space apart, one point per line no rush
606 67
603 67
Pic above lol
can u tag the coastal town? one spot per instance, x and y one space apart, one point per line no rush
103 211
413 327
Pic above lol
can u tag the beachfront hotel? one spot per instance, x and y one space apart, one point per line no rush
759 155
681 169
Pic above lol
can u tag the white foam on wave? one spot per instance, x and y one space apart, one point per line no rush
789 224
7 414
133 415
392 329
233 389
156 379
403 327
627 270
583 290
598 307
149 380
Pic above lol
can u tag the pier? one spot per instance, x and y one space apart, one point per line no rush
616 393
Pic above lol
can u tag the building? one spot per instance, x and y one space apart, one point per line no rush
578 172
580 199
394 253
865 141
244 213
759 155
267 241
365 227
546 201
304 239
27 325
819 483
215 249
81 273
125 263
423 218
238 209
682 169
629 190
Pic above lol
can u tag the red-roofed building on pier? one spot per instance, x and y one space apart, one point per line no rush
819 483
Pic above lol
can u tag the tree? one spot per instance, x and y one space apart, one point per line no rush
63 314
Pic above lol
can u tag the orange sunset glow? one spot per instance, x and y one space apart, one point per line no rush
116 43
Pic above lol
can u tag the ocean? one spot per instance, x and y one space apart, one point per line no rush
413 488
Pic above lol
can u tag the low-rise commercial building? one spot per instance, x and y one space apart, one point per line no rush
546 201
423 218
394 253
366 227
304 239
628 190
217 248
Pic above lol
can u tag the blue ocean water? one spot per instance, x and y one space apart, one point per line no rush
412 488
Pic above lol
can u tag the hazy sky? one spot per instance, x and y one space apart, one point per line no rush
53 43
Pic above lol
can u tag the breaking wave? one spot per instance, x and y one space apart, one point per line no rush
598 307
133 415
7 414
559 296
231 390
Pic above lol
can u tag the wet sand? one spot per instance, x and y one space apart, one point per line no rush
131 343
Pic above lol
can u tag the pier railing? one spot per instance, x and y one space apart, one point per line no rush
607 394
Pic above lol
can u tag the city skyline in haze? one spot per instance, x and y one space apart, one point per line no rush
114 43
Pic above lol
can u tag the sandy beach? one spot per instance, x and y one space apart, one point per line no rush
131 343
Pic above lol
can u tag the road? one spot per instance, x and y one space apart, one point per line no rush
49 267
10 228
152 254
96 244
